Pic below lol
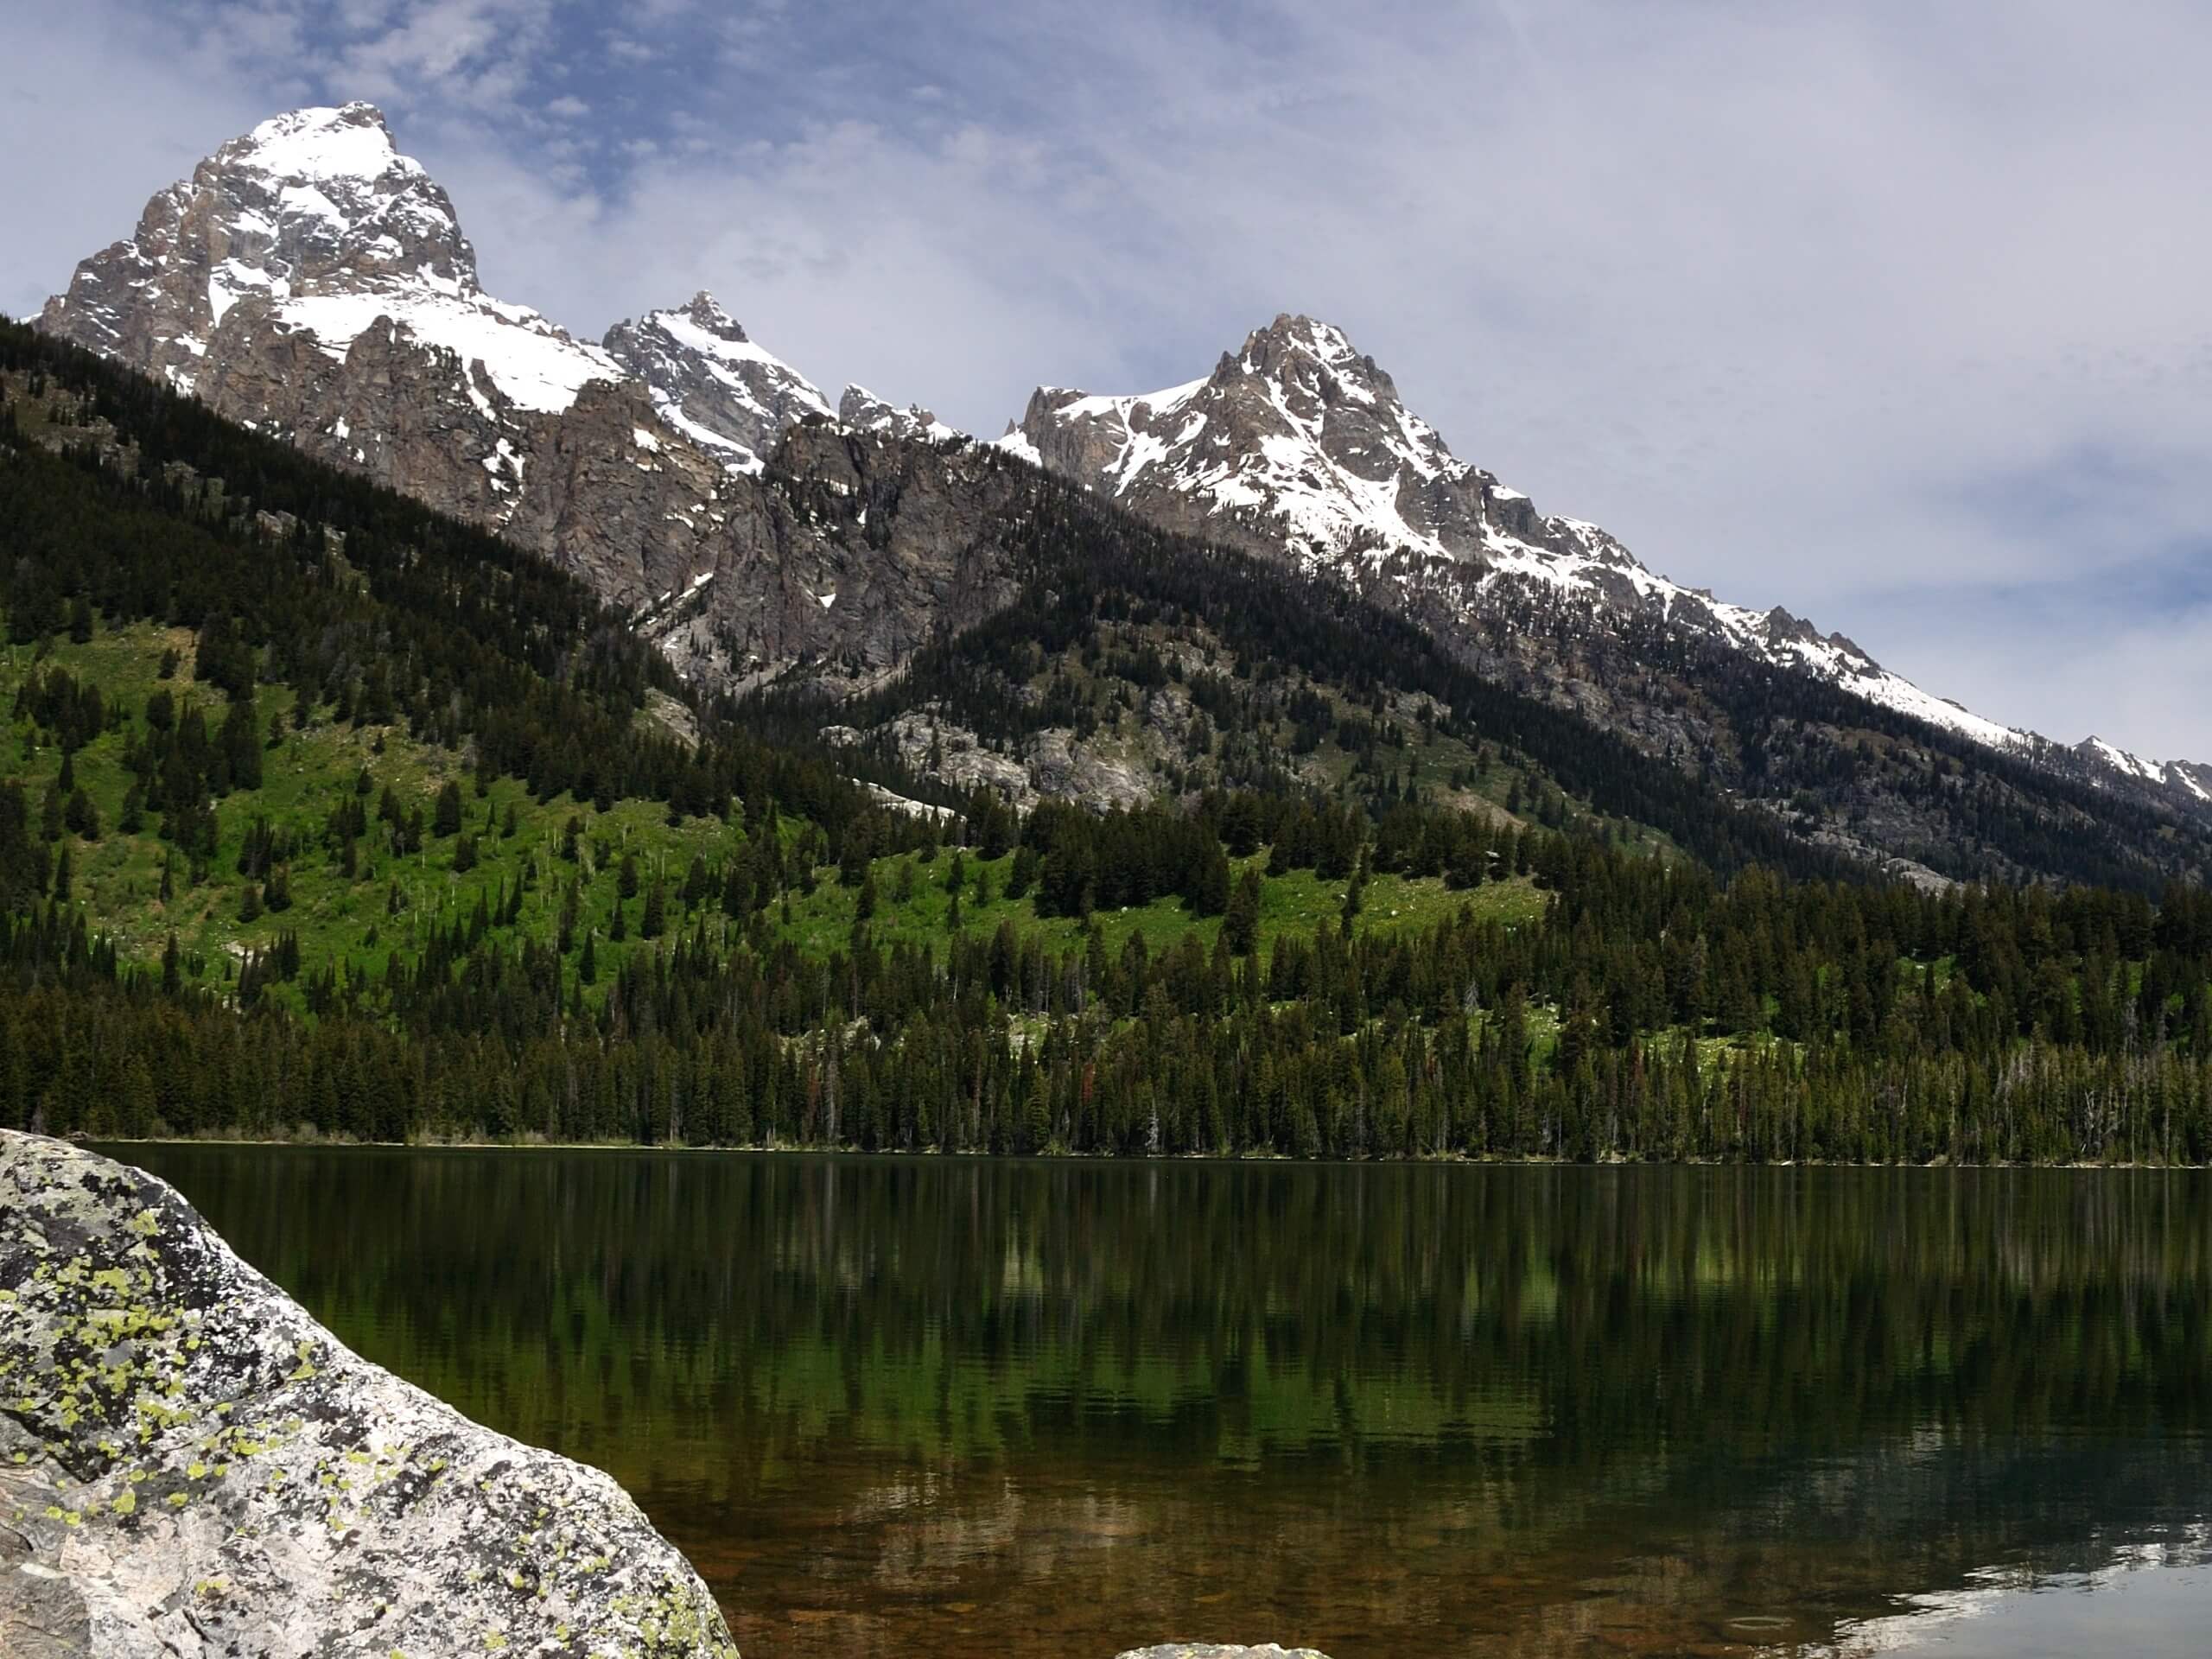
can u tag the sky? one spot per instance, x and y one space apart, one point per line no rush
1892 313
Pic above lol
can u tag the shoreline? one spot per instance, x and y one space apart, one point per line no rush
337 1144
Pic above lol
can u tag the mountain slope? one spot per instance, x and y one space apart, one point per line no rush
1298 444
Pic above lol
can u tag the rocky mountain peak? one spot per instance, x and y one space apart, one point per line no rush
312 226
347 141
319 197
711 381
1298 436
1295 345
704 309
862 410
1299 445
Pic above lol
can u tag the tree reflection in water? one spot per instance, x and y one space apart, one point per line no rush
934 1406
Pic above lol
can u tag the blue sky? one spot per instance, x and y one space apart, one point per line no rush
1892 313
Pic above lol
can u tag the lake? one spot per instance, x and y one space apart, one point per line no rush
937 1406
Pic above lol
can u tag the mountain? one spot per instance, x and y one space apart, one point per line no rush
863 410
324 809
1298 444
708 380
988 613
312 283
311 223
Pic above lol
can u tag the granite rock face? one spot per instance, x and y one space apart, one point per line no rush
862 410
190 1467
848 554
712 383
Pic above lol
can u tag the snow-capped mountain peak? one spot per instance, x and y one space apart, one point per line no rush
1298 443
1297 430
321 190
709 380
314 223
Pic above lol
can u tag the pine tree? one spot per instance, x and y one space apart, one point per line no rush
1239 921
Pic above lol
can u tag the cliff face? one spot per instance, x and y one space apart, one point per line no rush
191 1466
710 381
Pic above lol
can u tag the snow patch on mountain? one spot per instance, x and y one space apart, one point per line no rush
534 365
313 146
1015 441
2120 760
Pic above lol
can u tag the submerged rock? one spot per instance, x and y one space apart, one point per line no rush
191 1466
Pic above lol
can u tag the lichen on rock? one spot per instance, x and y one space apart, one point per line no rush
190 1465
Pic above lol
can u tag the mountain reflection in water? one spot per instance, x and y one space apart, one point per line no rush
936 1407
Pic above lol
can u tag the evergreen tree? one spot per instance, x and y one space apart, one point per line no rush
1240 922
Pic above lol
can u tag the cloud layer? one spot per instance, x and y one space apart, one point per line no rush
1888 313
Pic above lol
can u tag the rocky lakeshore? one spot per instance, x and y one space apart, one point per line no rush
190 1466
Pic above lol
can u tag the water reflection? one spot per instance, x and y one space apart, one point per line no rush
2148 1602
932 1406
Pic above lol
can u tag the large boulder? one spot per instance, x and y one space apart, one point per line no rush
190 1466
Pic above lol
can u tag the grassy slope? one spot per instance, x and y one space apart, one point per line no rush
308 773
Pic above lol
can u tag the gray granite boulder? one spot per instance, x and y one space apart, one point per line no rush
190 1466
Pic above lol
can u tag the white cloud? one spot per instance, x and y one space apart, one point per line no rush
91 128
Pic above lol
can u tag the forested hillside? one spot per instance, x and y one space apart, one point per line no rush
319 813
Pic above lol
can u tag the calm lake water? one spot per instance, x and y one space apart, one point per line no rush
931 1408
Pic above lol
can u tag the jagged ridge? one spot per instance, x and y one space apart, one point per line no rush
1297 443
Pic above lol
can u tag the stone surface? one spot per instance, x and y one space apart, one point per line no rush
1212 1650
190 1466
710 381
861 409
